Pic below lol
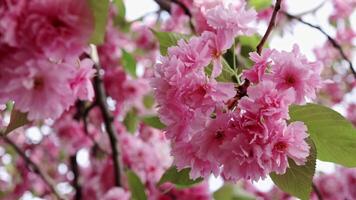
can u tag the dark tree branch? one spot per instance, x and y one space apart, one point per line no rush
35 168
108 118
317 192
166 5
76 172
335 44
183 7
271 25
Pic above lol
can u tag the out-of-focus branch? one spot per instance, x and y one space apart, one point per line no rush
271 25
100 95
313 10
35 168
183 7
335 44
317 192
166 5
76 172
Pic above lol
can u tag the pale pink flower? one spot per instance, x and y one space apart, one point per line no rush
117 193
196 192
39 87
231 21
81 83
267 102
210 139
293 70
342 9
331 187
71 134
185 156
351 113
261 62
195 54
59 29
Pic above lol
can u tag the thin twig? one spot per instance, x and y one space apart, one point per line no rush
313 10
271 25
317 192
335 44
35 168
108 118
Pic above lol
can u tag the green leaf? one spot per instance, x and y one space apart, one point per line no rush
297 181
17 119
148 101
180 178
131 121
333 135
232 192
153 121
260 4
136 186
168 39
227 74
129 63
100 10
248 44
120 18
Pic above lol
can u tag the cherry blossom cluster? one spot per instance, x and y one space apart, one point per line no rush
40 46
252 139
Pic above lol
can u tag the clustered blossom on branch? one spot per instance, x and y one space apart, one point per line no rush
40 45
254 138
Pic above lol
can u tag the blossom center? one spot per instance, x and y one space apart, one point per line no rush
57 23
290 80
280 146
38 83
219 135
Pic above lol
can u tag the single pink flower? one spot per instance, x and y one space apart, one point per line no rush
81 84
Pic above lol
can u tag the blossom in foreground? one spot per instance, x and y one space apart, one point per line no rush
250 141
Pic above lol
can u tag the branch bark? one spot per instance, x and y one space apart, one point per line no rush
271 25
35 168
100 95
335 44
76 172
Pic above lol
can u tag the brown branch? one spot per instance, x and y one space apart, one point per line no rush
271 25
108 118
317 192
35 168
335 44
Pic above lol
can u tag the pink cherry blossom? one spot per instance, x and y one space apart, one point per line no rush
59 29
351 113
29 84
81 84
293 70
71 134
116 193
258 70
